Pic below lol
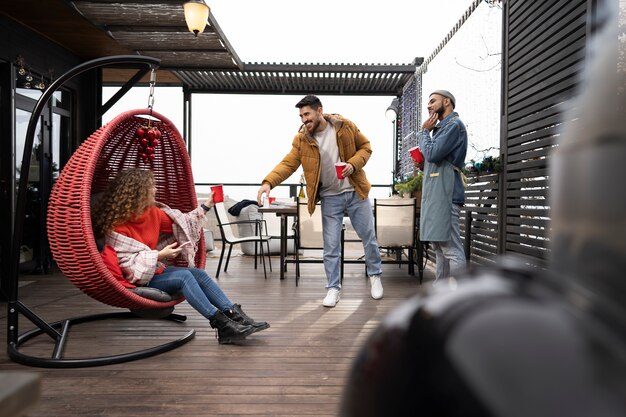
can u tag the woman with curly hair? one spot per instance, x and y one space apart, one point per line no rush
146 235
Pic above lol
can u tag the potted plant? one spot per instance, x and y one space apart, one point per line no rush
411 186
488 165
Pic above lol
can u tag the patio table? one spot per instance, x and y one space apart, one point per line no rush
283 211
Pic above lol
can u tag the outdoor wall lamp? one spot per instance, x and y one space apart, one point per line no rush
392 115
196 15
392 111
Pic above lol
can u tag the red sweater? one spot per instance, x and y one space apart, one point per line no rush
147 227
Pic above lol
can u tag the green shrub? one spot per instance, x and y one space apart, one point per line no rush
410 184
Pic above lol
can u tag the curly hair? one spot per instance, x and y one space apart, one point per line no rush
126 197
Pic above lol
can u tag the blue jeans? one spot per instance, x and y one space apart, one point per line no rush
196 285
450 255
360 213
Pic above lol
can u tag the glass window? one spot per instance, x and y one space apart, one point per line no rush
60 99
29 92
21 125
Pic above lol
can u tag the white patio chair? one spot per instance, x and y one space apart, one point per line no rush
394 223
228 237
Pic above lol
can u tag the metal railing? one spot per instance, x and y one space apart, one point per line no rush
249 190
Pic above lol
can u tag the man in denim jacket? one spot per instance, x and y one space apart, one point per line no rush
443 191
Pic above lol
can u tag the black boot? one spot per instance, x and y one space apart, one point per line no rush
229 330
237 314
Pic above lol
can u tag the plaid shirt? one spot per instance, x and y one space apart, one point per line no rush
139 263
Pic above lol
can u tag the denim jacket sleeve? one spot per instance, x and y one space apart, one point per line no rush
442 144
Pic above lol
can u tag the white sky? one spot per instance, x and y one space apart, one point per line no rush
239 138
392 31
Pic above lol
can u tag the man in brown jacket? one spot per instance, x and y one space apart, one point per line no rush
322 141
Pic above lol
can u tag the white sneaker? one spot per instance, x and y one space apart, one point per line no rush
377 287
332 297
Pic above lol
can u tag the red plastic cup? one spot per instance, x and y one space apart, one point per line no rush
339 166
417 155
272 199
218 193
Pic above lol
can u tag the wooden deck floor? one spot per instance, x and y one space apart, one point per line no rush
297 367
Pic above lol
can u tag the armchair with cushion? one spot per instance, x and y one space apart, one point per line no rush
395 226
309 234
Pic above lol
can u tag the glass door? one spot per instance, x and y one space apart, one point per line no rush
52 130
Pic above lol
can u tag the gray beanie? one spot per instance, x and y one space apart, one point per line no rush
446 94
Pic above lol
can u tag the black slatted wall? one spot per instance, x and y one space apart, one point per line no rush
479 218
544 51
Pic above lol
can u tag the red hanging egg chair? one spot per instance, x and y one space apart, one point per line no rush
111 149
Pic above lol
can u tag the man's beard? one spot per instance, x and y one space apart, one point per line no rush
315 124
